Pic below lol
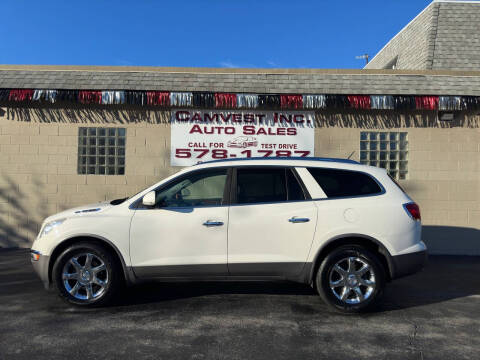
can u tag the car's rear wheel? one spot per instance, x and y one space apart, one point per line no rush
86 274
351 279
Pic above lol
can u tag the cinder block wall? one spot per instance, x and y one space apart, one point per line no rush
38 165
443 169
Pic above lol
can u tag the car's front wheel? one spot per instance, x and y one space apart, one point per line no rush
351 279
86 274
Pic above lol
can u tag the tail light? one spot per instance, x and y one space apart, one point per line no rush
413 211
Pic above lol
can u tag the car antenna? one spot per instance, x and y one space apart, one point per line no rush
349 156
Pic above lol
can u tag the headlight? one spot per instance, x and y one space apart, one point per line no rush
50 226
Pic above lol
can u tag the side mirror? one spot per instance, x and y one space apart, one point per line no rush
149 199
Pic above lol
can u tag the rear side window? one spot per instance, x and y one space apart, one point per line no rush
261 185
342 183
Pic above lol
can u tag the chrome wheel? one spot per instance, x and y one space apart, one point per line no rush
352 280
85 276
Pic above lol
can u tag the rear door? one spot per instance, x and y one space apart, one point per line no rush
271 222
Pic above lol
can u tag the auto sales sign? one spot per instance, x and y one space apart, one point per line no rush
203 135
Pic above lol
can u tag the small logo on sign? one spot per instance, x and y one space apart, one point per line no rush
243 142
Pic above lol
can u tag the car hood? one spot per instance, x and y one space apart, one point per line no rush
86 210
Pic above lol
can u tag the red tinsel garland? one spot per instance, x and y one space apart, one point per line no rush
225 100
291 101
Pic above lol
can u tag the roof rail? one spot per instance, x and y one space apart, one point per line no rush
345 161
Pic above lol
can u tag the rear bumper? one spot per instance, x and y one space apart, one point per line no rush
41 268
408 264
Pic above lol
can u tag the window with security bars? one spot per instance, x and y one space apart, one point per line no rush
101 151
388 150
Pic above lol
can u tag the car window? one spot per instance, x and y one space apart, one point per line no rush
261 185
295 191
340 183
203 188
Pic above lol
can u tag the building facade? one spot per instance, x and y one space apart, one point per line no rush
443 36
76 135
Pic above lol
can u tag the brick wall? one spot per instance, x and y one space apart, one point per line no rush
38 165
444 36
413 46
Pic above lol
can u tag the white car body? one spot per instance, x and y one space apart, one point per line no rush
257 240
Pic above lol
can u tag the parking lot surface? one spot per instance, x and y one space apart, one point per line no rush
432 315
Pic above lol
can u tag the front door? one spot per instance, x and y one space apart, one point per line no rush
271 223
185 233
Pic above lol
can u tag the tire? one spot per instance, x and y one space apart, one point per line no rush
87 285
351 279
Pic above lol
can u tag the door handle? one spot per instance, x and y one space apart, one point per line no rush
298 220
212 223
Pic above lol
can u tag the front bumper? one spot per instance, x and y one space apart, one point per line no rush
41 267
408 264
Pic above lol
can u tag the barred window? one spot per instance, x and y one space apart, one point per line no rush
388 150
101 151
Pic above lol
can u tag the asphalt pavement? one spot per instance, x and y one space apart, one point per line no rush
432 315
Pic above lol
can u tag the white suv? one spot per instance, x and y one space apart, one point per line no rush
342 227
